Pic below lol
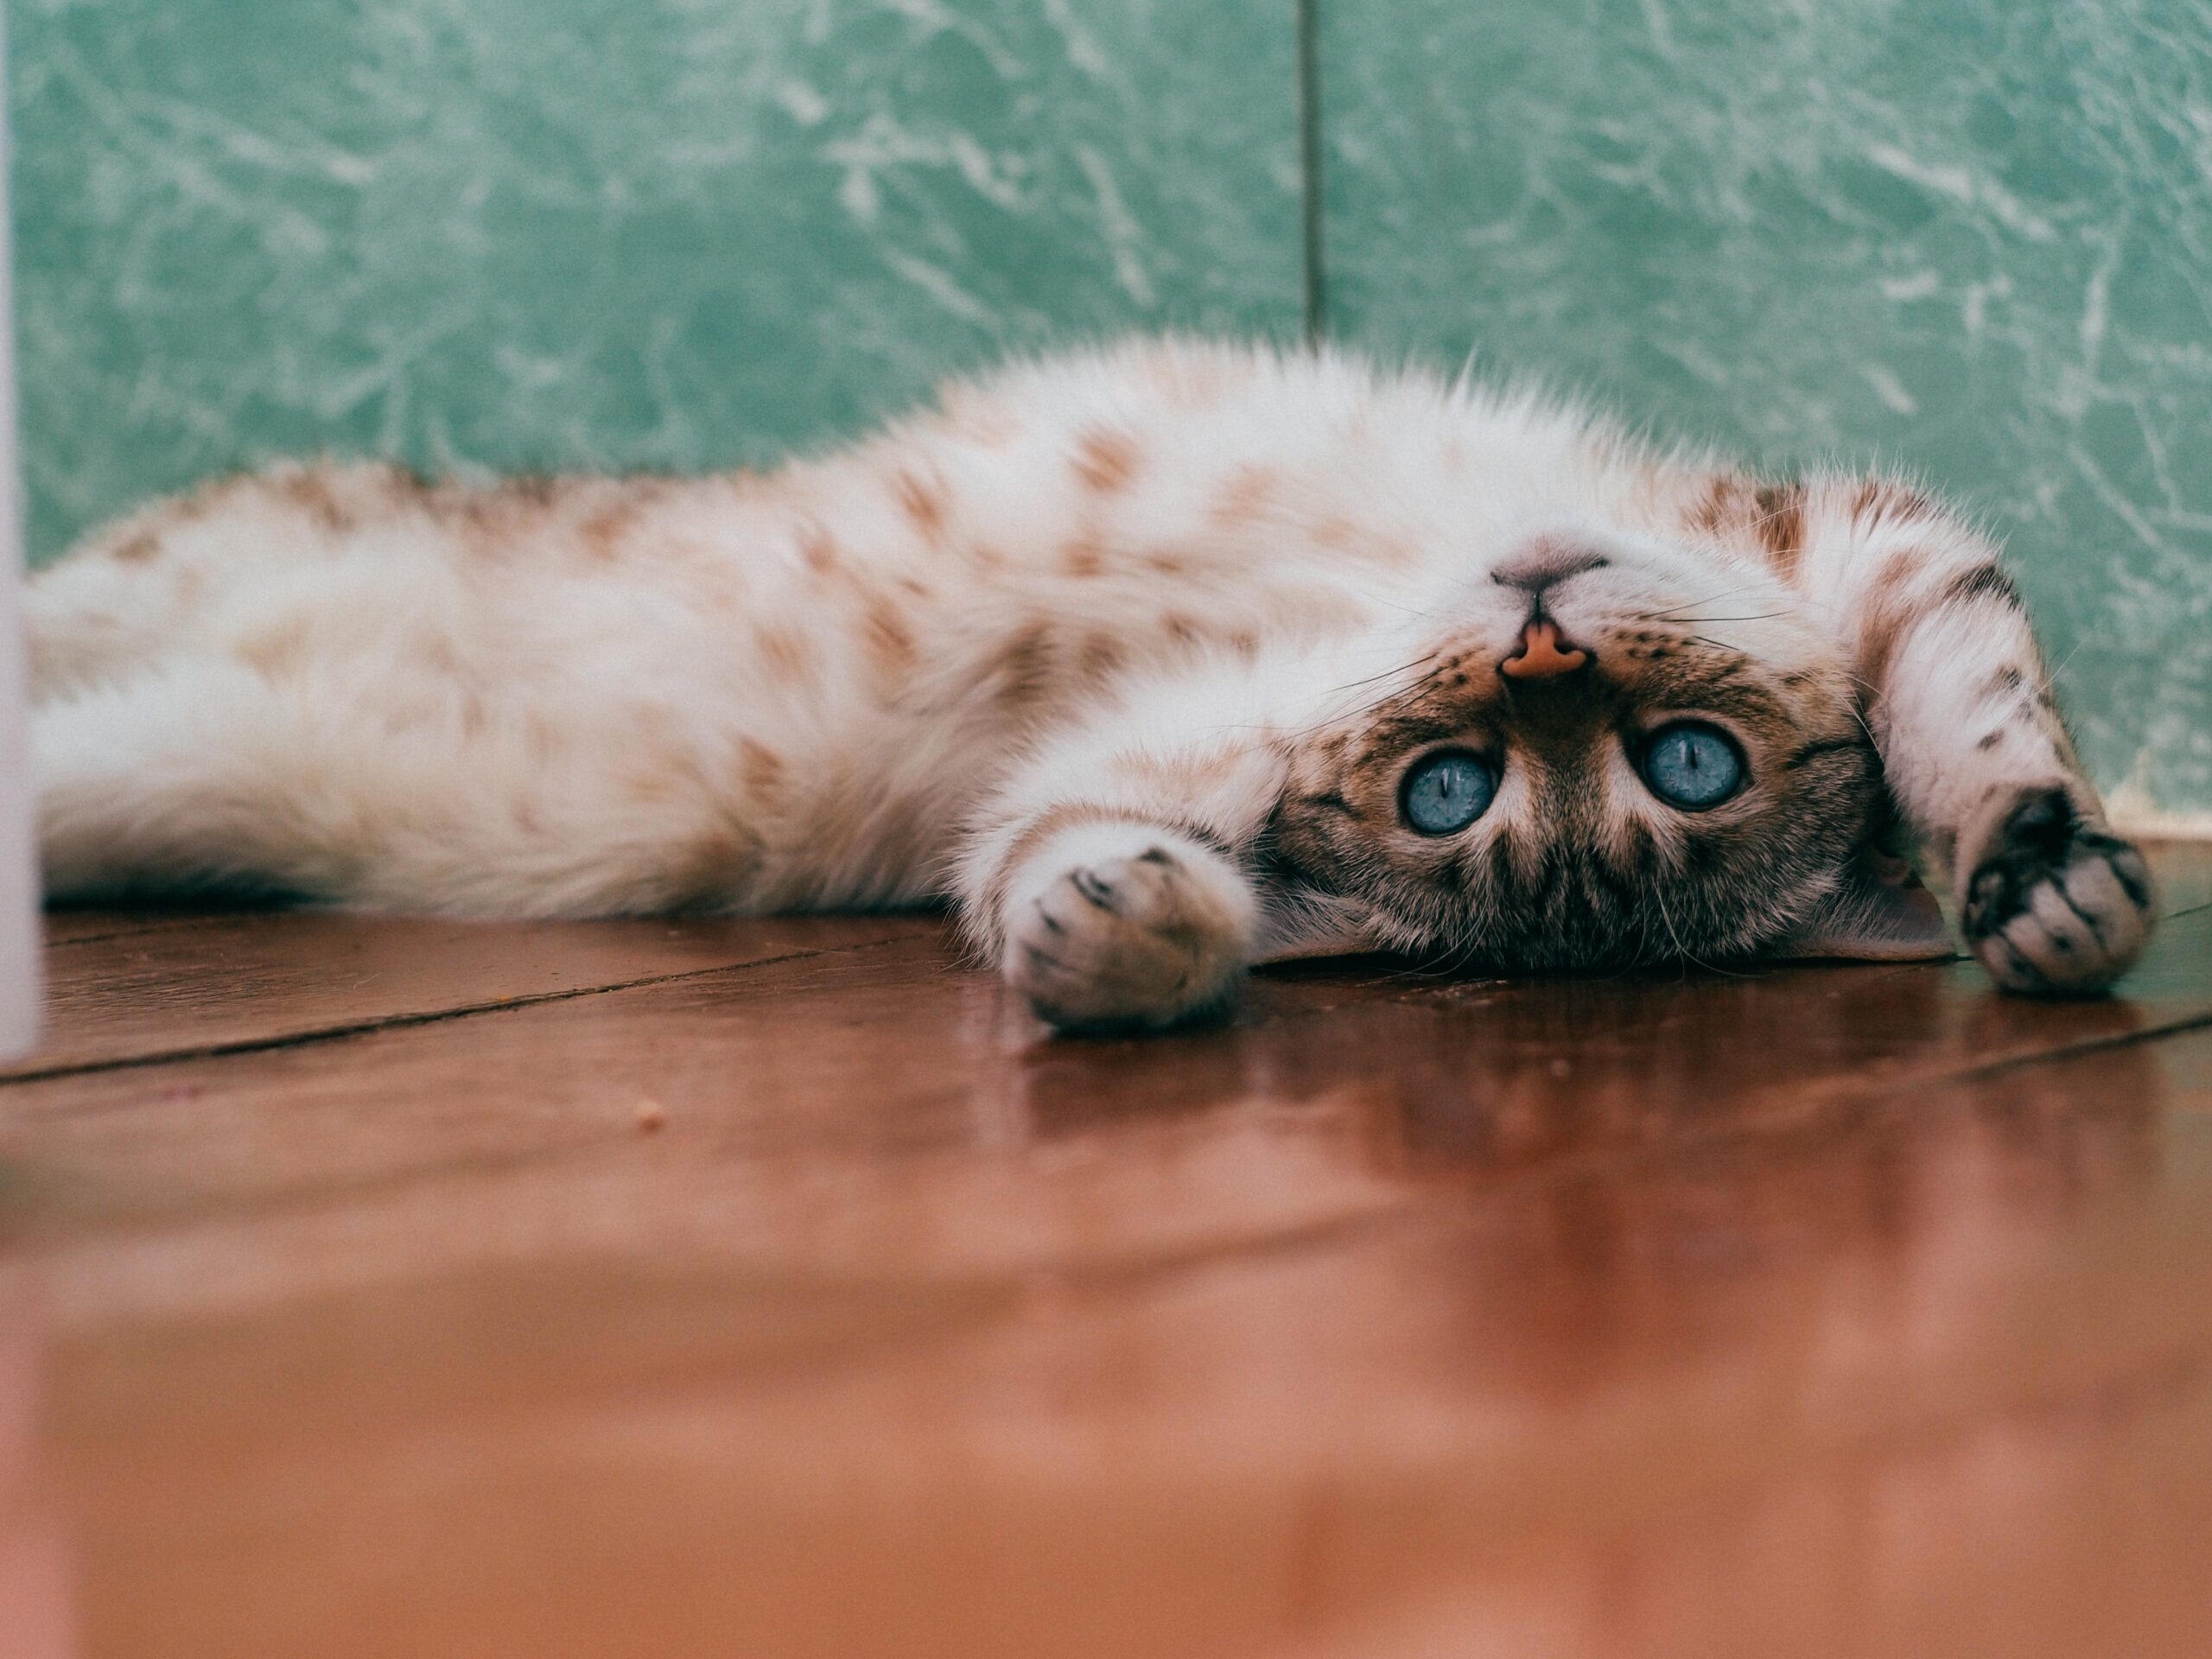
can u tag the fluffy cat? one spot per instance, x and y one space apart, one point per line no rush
1156 660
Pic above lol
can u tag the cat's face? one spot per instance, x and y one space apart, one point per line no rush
1615 750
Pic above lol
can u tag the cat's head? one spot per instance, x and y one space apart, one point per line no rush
1611 749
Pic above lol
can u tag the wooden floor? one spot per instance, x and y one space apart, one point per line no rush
387 1288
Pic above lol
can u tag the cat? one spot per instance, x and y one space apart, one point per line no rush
1157 660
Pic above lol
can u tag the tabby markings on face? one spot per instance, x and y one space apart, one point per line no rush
1647 791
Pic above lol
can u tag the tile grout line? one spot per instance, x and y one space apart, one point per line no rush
406 1022
1314 273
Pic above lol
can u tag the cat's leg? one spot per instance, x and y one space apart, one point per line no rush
1109 880
1972 745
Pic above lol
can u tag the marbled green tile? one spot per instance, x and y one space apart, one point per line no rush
606 232
1974 236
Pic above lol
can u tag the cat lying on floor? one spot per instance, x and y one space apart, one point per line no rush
1157 661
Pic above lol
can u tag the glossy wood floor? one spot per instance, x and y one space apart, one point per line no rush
393 1288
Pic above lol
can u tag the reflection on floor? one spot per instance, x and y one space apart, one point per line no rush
386 1288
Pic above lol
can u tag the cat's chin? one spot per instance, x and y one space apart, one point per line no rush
1869 919
1310 926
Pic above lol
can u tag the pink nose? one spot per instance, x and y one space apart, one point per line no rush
1541 656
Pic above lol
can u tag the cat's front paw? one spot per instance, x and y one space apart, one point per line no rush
1123 925
2055 905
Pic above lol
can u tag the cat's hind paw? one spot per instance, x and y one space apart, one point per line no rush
1117 925
2055 905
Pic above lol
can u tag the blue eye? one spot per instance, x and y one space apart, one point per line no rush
1692 766
1447 792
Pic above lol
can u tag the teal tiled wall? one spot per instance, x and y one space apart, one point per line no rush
606 232
1972 235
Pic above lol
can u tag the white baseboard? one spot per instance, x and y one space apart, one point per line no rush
2136 814
19 923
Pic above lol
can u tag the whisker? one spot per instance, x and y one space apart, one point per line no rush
1659 897
1756 616
1351 685
1291 733
1725 593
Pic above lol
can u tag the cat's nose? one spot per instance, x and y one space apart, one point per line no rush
1543 655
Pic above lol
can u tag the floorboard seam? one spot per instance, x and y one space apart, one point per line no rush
145 932
2076 1051
406 1022
1412 1212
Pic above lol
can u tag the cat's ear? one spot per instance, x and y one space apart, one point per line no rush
1298 922
1876 914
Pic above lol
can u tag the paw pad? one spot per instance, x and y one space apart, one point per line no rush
1125 932
2057 905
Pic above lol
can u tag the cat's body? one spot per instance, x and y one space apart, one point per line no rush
1128 654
